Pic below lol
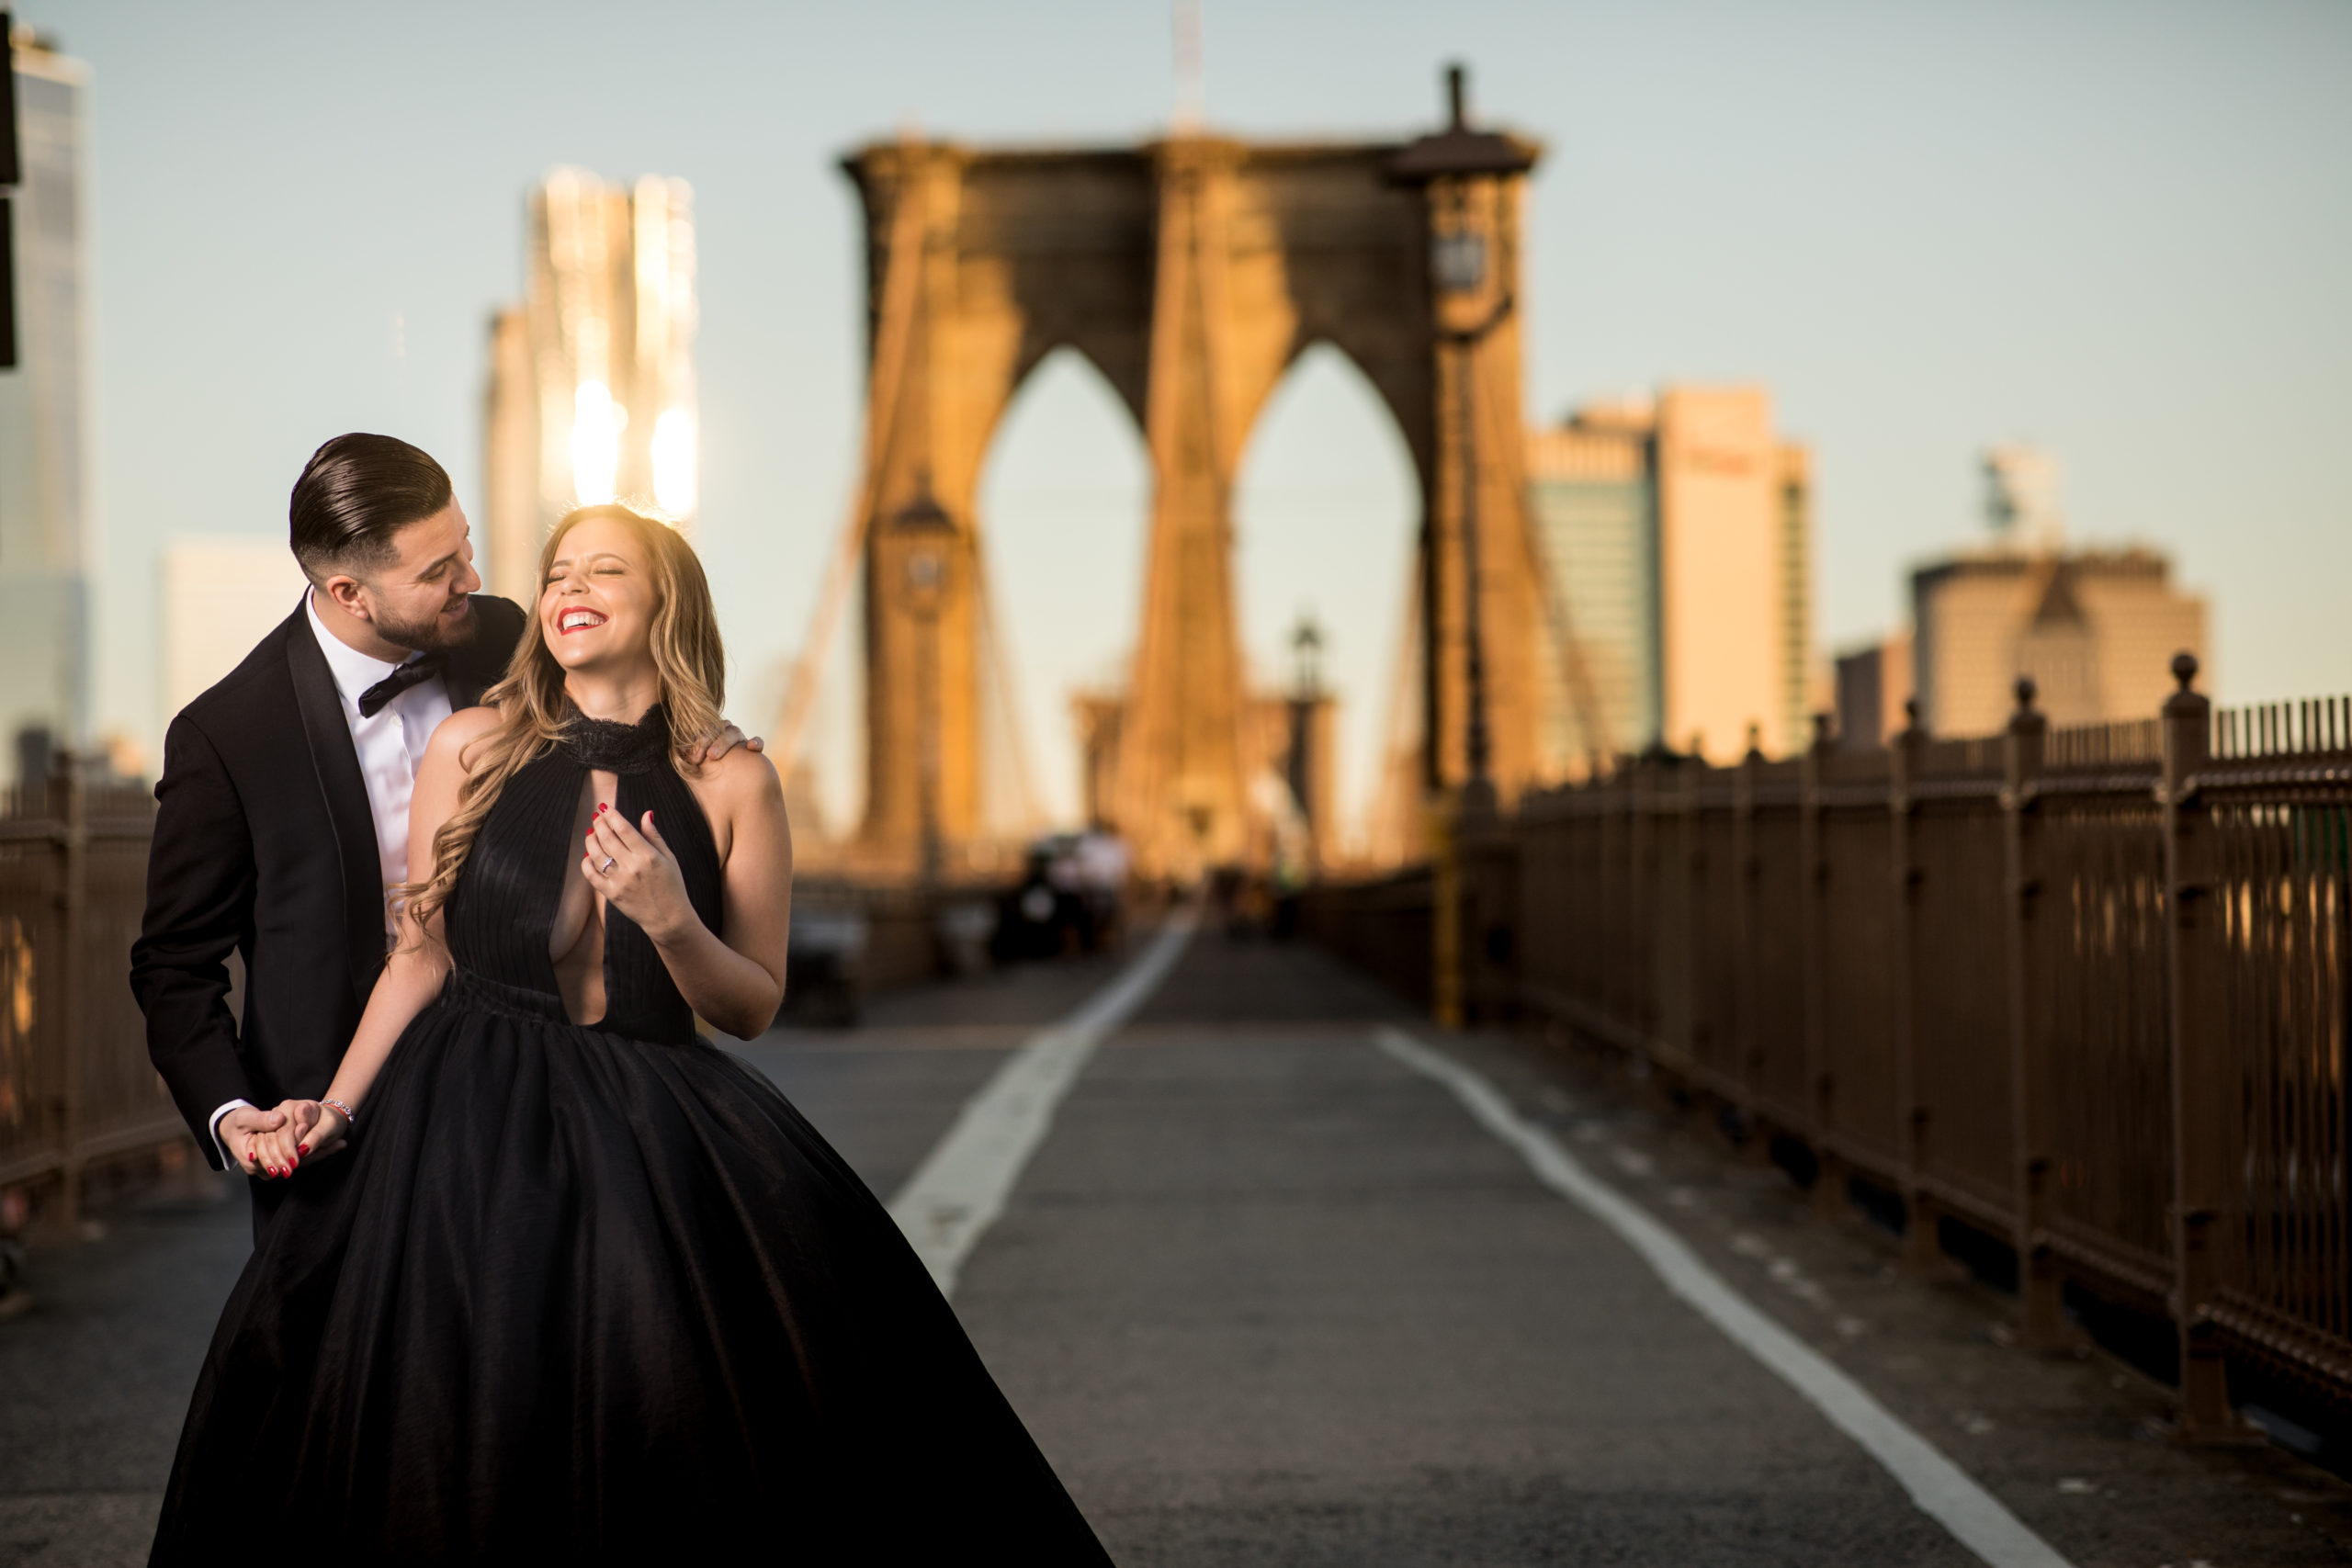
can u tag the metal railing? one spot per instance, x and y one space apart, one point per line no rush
2087 990
75 1085
1381 927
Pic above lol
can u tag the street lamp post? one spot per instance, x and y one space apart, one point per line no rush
926 535
1459 266
1459 168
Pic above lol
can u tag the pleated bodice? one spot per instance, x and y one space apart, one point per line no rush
502 913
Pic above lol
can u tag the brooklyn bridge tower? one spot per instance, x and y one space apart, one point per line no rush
1192 272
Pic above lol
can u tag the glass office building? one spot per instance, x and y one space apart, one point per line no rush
1678 537
44 422
1595 503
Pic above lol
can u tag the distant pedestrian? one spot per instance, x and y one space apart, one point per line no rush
1102 864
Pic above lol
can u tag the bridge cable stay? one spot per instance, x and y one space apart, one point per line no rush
1388 829
1592 719
893 339
1004 733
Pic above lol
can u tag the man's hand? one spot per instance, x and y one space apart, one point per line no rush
726 741
241 1132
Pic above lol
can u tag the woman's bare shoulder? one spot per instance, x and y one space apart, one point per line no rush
460 730
742 779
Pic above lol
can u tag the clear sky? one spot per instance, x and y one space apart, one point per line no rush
2118 230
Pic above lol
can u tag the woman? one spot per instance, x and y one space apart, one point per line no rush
591 1288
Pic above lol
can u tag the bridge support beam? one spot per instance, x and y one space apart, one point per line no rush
1186 757
922 580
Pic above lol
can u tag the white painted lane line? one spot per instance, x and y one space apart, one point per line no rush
961 1187
1941 1489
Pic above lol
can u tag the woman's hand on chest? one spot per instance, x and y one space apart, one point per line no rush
634 872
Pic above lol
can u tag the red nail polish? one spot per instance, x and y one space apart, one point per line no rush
303 1148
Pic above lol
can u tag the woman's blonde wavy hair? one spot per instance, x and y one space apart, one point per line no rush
533 708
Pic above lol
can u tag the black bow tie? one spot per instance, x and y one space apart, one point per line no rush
415 673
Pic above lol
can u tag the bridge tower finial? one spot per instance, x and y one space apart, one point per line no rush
1192 108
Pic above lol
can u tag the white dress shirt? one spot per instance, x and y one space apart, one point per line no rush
391 745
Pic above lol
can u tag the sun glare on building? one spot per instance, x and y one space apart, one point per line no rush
597 425
591 385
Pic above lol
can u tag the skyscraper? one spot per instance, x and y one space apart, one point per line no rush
1592 485
44 416
220 596
2096 630
592 381
1678 534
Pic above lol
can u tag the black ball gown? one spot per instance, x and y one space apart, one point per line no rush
590 1292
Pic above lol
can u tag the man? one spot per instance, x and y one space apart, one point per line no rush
282 814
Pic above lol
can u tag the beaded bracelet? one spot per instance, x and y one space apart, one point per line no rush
349 1120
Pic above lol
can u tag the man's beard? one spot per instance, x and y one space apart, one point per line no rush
431 634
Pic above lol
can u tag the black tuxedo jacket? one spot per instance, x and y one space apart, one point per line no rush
265 846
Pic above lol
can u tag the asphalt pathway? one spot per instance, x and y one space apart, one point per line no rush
1268 1294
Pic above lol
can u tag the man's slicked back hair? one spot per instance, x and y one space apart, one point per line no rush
356 493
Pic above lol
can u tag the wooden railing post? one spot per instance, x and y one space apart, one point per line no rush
69 794
2041 1288
2200 1094
1829 1182
1922 1246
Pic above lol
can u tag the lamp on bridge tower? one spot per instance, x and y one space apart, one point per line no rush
1460 170
1465 175
1304 751
926 537
1306 650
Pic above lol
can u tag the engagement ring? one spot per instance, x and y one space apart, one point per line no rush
606 869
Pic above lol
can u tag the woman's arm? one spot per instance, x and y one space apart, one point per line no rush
412 975
735 979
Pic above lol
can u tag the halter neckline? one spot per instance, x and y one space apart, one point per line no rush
629 750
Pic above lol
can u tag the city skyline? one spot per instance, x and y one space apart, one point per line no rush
2035 241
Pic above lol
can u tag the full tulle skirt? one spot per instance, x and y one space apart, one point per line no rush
579 1298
